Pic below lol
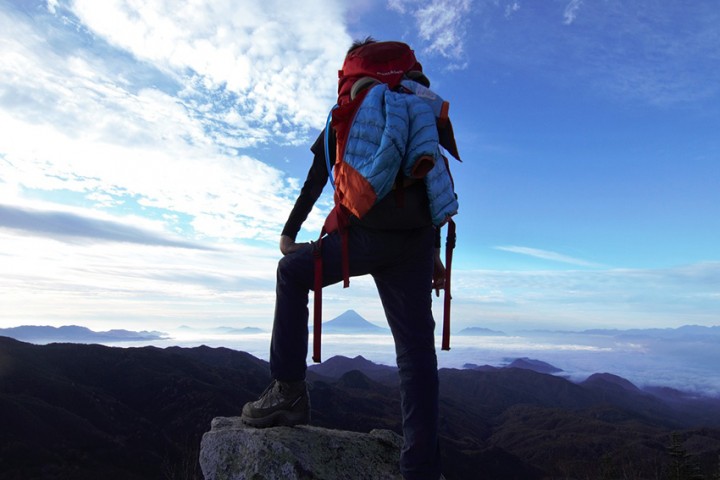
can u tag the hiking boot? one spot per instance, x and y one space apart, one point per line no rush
281 404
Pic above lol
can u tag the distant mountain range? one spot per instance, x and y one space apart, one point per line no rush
76 334
686 332
349 322
352 323
239 331
481 332
224 330
90 411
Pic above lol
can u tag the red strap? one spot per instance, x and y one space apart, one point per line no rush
449 247
337 220
345 257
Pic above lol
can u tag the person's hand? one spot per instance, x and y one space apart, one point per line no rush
438 281
288 245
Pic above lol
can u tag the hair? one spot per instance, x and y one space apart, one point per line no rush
361 43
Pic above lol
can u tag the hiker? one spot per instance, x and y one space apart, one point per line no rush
397 243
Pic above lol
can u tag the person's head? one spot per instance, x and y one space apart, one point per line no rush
361 43
416 74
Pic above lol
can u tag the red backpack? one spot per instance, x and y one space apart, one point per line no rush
391 63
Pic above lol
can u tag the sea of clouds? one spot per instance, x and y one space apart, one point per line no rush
661 358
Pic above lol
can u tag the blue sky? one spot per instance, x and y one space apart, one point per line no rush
151 152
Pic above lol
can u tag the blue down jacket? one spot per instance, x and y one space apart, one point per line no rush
394 132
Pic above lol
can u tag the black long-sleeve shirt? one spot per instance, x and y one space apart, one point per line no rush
403 209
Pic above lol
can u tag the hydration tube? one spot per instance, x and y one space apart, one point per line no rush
327 147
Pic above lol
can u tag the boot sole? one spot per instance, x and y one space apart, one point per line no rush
280 418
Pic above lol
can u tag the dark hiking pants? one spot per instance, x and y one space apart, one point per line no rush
401 263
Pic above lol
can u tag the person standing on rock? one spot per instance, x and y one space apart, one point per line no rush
396 240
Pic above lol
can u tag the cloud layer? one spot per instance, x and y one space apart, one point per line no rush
76 227
597 298
152 108
547 255
139 284
278 57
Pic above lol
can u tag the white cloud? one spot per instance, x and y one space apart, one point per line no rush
52 5
510 9
547 255
571 11
82 226
398 5
442 25
279 56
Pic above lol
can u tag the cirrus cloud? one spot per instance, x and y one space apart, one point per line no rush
442 26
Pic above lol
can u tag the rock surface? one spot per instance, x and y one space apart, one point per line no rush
233 451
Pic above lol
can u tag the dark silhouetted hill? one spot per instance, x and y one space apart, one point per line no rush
338 365
89 411
475 366
534 365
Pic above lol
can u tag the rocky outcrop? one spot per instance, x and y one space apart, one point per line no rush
233 451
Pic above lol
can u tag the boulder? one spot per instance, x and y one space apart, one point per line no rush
234 451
